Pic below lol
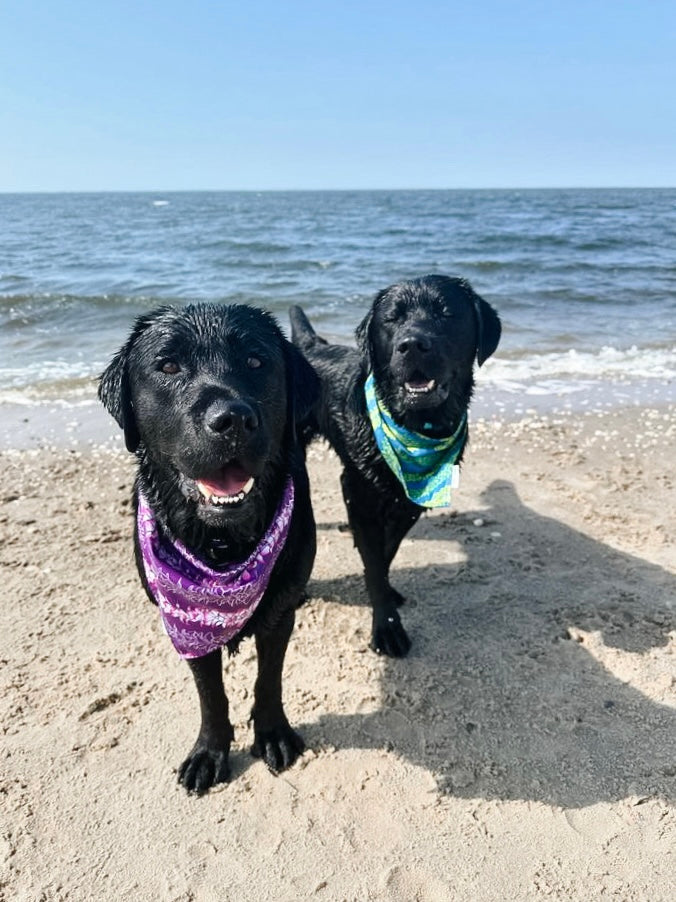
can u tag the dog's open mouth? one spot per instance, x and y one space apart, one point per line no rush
229 486
419 384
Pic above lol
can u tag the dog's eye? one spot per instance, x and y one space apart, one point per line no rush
254 363
394 316
170 367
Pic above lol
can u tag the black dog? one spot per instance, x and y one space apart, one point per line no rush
208 397
419 341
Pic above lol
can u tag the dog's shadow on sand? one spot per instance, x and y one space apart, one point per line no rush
504 695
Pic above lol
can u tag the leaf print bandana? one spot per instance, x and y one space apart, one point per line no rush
425 466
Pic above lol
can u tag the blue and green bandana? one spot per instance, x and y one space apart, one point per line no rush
425 466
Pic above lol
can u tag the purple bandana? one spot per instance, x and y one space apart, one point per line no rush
202 609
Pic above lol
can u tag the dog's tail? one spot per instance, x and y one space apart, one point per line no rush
302 333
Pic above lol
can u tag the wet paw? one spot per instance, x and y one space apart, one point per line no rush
390 638
204 767
278 748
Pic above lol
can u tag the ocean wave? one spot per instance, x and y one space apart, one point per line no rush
51 377
607 364
560 373
37 397
50 303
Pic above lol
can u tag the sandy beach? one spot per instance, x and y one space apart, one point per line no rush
524 750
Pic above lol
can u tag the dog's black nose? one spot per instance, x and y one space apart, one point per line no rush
414 341
222 416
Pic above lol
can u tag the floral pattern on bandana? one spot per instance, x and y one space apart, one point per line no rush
202 609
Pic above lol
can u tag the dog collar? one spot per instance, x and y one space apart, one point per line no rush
202 609
425 466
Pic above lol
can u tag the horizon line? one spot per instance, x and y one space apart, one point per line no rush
9 191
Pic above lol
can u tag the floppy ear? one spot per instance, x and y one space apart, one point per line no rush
488 328
302 386
364 338
114 388
115 395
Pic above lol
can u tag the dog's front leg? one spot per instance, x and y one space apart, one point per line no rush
207 763
388 635
368 521
274 739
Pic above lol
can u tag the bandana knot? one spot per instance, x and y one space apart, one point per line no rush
424 465
202 609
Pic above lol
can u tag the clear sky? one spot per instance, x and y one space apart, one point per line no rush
256 94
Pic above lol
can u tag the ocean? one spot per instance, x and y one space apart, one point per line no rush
584 280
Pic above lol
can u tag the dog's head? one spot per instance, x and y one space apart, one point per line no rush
208 397
421 338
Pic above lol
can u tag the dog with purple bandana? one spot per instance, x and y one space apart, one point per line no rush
208 397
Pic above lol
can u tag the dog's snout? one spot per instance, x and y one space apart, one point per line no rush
414 341
226 416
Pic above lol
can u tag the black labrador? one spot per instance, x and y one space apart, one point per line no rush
209 397
419 341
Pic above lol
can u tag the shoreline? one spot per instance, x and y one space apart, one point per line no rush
59 423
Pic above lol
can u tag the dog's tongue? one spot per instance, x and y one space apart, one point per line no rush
231 480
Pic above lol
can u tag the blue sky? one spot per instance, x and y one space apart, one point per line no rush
169 95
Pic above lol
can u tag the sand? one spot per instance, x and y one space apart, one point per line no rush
524 750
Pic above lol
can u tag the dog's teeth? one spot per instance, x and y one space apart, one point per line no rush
420 389
220 500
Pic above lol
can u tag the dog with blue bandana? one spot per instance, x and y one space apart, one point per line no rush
395 411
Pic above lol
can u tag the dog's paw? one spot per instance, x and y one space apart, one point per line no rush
204 767
278 748
390 638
